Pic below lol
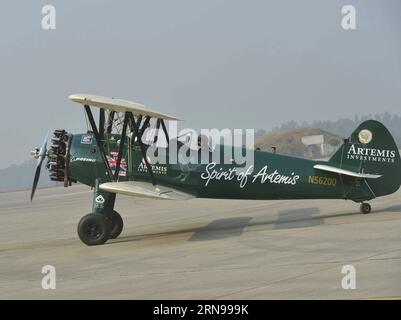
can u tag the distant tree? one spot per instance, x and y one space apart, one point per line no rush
344 127
260 133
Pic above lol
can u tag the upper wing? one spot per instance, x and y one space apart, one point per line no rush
119 105
145 190
346 172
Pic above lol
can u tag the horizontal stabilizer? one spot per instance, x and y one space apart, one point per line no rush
346 172
145 190
119 105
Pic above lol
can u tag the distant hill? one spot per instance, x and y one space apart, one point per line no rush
290 143
19 177
344 127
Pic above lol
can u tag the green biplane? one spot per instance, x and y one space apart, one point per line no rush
111 157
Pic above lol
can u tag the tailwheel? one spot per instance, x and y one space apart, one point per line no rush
94 229
117 225
365 208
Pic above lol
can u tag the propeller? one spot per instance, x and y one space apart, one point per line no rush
39 154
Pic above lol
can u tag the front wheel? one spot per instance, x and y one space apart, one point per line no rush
94 229
117 225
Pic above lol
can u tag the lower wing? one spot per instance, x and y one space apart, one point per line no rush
145 190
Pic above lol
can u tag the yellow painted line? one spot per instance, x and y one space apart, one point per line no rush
384 298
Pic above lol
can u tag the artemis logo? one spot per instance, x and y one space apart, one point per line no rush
370 154
157 169
365 136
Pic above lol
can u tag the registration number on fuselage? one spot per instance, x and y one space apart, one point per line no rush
323 181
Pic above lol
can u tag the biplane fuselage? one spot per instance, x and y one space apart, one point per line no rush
272 176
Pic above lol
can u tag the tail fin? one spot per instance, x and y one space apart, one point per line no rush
371 149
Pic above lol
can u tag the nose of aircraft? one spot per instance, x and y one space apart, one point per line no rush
57 158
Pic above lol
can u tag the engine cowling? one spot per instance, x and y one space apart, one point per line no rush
58 156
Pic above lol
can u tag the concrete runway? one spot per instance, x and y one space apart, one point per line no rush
200 249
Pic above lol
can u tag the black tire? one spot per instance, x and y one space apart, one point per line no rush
94 229
365 208
117 225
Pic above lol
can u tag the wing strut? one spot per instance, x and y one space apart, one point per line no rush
121 147
110 122
101 123
98 141
141 145
157 131
144 126
138 121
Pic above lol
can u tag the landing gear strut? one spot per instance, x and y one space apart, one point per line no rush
365 208
103 223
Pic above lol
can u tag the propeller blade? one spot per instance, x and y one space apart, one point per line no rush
35 181
42 156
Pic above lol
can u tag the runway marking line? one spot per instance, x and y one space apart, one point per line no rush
384 298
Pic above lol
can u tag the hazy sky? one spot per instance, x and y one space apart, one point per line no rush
215 63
